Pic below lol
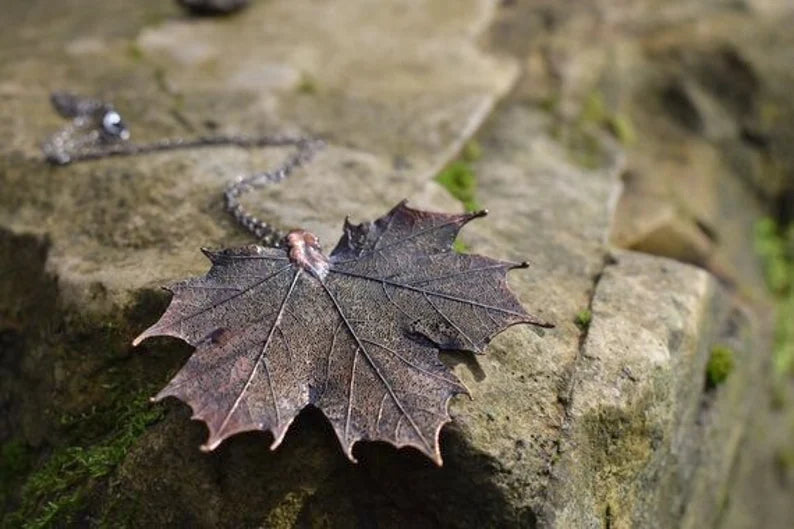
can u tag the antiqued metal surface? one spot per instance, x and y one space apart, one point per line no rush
356 334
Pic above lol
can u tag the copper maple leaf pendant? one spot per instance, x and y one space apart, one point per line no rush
356 333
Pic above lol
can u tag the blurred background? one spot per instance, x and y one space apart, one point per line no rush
638 152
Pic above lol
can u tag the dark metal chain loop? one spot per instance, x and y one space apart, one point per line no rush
97 131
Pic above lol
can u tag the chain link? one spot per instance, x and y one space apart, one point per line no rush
97 131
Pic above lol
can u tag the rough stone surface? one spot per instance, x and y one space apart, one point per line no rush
557 215
651 440
597 122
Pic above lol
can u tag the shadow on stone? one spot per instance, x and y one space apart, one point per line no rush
308 480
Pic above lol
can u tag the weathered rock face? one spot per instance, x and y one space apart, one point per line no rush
608 420
650 438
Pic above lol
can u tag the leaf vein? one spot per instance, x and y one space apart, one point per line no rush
375 367
261 356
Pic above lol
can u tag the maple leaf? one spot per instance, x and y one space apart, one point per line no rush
356 334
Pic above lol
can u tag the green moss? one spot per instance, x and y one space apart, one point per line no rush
784 459
622 128
620 440
778 399
784 337
285 514
460 246
16 458
97 416
550 104
135 52
472 151
307 85
769 112
59 487
461 182
775 246
594 109
460 179
720 365
771 246
583 319
784 463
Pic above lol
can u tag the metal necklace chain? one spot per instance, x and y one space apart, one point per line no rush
96 131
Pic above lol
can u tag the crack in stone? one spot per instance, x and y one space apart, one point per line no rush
565 394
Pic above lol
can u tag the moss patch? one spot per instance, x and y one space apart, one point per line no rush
775 246
582 136
621 126
595 111
719 366
16 458
95 414
771 245
460 180
621 440
620 445
135 52
583 319
784 337
307 85
57 489
472 151
285 513
460 246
